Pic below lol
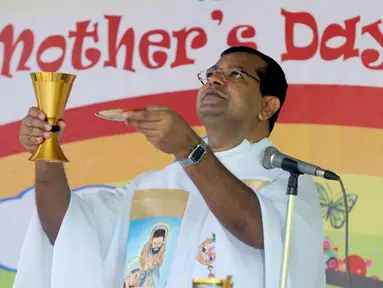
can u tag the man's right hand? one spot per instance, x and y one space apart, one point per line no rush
35 129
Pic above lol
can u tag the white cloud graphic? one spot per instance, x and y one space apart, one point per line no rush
15 215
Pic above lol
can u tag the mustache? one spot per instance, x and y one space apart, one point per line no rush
216 91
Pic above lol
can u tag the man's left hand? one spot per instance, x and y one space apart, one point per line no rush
165 129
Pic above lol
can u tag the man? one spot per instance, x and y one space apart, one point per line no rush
152 256
233 201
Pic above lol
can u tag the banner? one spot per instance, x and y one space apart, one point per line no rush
127 54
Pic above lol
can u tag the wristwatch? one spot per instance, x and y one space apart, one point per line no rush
195 155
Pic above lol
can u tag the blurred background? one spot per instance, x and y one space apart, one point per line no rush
127 54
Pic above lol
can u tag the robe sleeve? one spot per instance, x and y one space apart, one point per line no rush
78 257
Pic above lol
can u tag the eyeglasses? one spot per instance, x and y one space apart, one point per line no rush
231 74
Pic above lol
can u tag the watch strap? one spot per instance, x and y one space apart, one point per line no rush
195 155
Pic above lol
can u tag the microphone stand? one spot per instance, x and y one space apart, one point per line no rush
292 191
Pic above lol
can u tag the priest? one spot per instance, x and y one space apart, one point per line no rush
214 212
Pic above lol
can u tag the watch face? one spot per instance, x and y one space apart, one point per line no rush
197 154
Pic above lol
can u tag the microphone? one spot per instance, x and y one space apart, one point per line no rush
271 158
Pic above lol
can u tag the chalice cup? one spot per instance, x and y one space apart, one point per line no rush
52 92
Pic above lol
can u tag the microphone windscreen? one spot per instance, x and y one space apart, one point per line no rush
266 155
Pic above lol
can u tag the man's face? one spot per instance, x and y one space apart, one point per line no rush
233 98
157 243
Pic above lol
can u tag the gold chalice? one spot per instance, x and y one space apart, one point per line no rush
52 92
213 283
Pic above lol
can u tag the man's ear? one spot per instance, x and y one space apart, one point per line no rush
271 104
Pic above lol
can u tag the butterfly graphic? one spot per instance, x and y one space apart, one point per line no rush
334 210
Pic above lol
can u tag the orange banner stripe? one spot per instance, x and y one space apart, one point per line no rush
344 150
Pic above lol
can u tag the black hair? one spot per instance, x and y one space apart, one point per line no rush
272 78
159 233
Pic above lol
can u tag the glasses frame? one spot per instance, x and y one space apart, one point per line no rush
223 74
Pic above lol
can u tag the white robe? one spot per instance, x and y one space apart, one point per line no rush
90 250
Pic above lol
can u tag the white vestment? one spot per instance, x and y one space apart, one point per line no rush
93 242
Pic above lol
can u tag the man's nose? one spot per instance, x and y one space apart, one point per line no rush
217 78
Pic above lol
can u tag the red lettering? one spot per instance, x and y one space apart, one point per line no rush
197 42
299 53
127 40
369 56
244 32
6 37
55 41
347 49
159 57
79 35
154 45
